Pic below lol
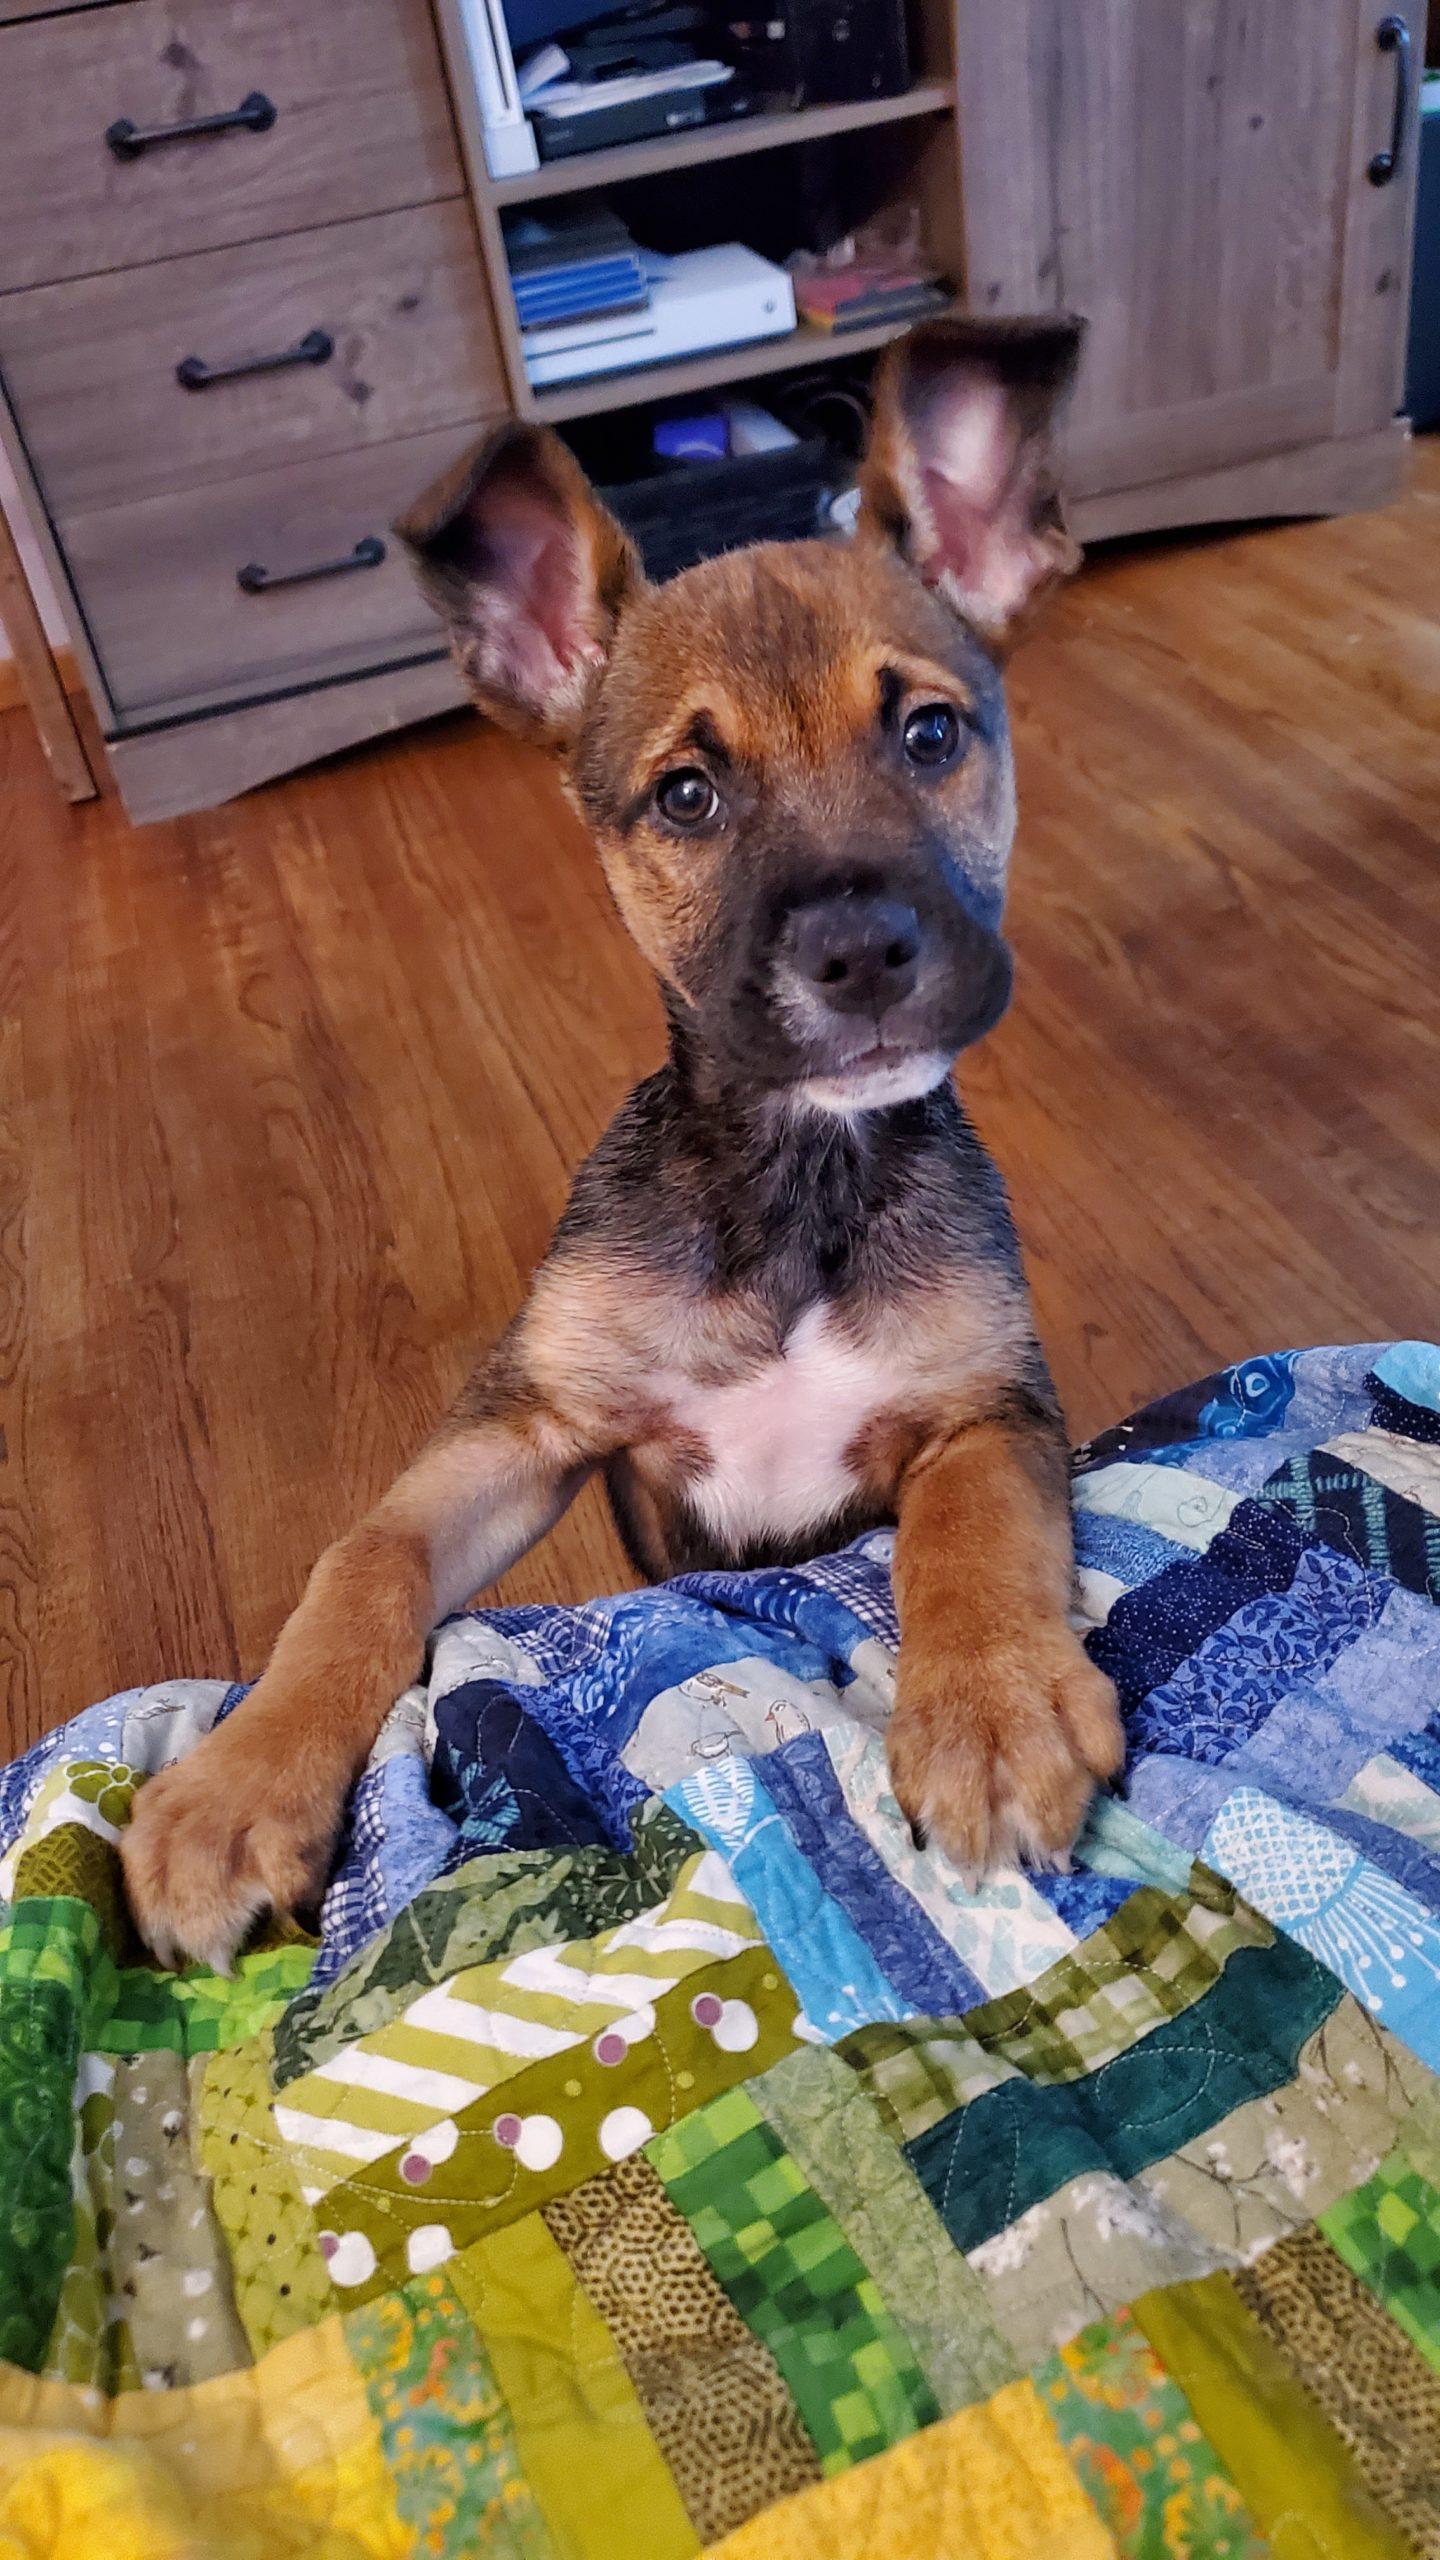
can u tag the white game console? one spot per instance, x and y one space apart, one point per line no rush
510 150
706 298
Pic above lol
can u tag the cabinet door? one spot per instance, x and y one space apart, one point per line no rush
1193 176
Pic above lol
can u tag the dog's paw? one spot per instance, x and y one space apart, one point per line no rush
225 1835
994 1755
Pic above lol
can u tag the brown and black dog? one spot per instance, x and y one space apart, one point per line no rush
785 1301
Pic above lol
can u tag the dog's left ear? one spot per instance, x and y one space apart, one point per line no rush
959 472
529 573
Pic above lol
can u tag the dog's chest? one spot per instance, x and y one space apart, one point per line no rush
779 1442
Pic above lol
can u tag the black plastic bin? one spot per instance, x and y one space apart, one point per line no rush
689 511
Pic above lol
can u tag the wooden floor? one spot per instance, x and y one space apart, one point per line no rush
289 1094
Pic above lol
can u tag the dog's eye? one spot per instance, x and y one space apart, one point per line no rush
688 797
931 735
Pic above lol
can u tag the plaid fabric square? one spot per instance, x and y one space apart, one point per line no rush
1388 2233
49 1939
355 1902
795 2280
917 2074
51 1965
862 1583
1153 1959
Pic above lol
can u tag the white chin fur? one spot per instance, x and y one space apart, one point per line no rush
871 1088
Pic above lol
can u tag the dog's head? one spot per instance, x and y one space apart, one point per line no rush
794 759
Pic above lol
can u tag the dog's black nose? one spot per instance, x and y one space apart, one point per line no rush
859 953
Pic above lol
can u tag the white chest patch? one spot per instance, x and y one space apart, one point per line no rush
777 1439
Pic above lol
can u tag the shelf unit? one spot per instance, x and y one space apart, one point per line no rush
709 143
803 345
916 133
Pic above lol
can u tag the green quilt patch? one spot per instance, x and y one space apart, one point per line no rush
985 2166
794 2278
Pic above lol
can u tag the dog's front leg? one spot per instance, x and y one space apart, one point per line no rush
1002 1724
249 1820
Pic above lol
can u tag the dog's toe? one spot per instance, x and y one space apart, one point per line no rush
211 1848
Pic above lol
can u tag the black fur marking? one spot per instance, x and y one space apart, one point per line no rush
724 1191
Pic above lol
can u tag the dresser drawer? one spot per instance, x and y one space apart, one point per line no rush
352 118
38 8
172 624
389 316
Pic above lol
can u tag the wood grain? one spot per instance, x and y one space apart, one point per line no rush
193 764
400 296
291 1092
1194 180
37 677
362 126
158 579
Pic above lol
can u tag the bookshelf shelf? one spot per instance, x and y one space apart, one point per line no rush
804 345
708 143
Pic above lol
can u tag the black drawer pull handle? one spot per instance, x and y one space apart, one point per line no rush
368 553
194 374
1393 36
127 139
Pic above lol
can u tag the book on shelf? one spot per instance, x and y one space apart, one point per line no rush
860 295
572 264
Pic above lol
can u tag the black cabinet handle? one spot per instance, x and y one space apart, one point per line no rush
368 553
194 374
1393 36
127 139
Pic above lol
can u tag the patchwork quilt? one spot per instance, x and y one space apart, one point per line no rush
655 2153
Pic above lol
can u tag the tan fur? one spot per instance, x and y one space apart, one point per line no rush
248 1821
780 649
1001 1725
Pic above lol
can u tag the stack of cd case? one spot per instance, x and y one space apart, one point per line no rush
574 264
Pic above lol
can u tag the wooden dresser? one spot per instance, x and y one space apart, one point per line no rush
252 299
232 358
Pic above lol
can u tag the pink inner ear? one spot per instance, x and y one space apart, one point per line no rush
537 573
969 435
983 540
964 530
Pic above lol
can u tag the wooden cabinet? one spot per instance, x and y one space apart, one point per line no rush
352 117
241 359
1194 176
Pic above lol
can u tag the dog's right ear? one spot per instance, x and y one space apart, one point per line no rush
959 472
529 574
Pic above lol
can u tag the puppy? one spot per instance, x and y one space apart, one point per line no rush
785 1300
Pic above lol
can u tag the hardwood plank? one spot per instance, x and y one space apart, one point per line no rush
39 680
291 1091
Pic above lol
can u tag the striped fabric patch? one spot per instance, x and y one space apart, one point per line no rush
463 2037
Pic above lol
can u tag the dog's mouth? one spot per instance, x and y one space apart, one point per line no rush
880 1054
871 1079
